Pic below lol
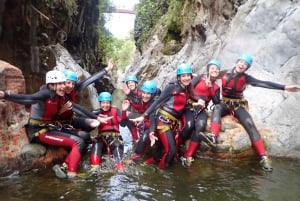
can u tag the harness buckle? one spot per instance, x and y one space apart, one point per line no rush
164 119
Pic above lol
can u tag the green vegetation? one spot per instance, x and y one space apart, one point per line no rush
165 12
89 38
148 14
173 21
120 50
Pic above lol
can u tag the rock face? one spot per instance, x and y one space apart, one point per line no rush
225 29
16 154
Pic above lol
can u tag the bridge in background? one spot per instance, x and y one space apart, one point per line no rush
125 11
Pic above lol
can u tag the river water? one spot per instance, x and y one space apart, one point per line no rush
206 180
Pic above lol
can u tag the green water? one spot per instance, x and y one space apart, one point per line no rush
206 180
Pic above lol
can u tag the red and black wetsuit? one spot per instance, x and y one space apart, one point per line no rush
81 124
195 119
45 105
169 107
141 107
109 138
233 102
67 116
132 97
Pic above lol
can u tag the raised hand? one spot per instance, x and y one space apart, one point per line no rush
110 65
125 105
208 81
125 88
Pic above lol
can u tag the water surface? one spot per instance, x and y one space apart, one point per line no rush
206 180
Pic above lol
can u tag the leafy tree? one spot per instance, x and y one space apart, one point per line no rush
148 14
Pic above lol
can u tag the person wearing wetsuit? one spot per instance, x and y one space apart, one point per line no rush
73 86
150 92
43 126
109 138
195 121
234 82
131 90
169 107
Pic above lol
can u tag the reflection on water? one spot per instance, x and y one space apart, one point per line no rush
205 180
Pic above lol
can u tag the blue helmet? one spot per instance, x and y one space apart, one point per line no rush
70 75
104 96
131 78
247 58
184 69
214 62
149 87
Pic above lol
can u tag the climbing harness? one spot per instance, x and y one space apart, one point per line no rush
170 122
43 125
234 104
109 138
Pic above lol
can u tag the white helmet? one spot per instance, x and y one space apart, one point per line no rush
55 76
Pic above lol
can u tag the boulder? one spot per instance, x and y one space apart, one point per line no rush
16 154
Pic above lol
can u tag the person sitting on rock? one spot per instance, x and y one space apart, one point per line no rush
130 88
195 115
73 86
109 138
168 109
150 93
233 102
43 126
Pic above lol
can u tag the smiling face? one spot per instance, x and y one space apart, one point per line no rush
70 85
185 79
213 71
59 88
131 85
241 66
105 105
146 97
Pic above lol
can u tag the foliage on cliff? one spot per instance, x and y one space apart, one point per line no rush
164 12
32 27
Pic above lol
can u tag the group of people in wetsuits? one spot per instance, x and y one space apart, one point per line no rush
161 119
179 113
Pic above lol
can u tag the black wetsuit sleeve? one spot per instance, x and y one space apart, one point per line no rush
41 95
83 84
165 95
78 109
152 123
264 84
97 111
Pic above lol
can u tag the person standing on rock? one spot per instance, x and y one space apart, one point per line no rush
195 115
168 109
234 83
43 125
